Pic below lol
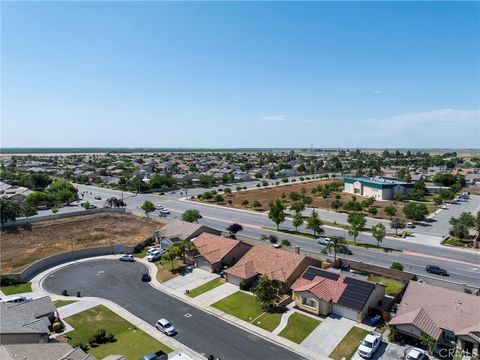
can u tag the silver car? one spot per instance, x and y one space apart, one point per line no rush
166 327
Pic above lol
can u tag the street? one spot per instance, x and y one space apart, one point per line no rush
121 283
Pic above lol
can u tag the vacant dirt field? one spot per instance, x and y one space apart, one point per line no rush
265 195
22 247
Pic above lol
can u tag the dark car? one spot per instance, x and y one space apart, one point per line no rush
345 250
146 277
433 269
98 197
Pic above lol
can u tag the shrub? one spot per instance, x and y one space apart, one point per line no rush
396 266
245 203
242 285
285 242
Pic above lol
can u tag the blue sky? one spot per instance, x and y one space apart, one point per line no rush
151 74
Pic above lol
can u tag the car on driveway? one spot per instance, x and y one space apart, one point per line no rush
369 344
415 354
433 269
127 258
155 254
323 240
166 327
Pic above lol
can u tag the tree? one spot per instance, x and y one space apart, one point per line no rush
314 223
218 198
9 210
148 207
36 198
85 205
266 291
461 226
396 224
390 210
372 210
437 200
29 211
477 222
276 212
357 224
297 206
378 232
54 209
396 266
297 220
234 228
415 211
172 253
245 202
419 190
427 341
191 215
256 204
335 243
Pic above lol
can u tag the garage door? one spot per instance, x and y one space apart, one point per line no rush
233 279
345 312
203 264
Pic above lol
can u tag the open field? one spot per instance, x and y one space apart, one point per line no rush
130 342
22 247
265 195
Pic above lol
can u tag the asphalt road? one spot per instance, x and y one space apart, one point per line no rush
463 265
121 283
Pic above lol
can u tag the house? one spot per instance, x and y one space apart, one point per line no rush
451 317
323 292
215 252
378 188
26 322
177 230
47 351
276 264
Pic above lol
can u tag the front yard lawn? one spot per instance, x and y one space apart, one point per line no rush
349 344
141 254
299 327
130 342
165 270
16 289
393 286
247 308
212 284
60 303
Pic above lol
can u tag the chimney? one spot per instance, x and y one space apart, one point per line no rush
297 249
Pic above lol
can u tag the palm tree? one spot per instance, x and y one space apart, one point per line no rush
335 243
427 341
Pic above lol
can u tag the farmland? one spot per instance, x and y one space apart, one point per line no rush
22 246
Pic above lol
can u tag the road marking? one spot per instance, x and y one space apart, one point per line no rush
188 315
100 272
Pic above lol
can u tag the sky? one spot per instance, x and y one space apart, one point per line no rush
240 74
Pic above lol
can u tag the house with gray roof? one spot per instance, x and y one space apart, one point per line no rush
48 351
177 230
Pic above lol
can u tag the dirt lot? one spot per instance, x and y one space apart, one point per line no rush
20 248
265 195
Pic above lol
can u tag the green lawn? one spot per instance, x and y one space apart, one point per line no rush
141 254
299 327
393 286
349 344
212 284
16 289
130 342
165 270
247 308
60 303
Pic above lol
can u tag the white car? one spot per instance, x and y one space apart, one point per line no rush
127 258
324 240
17 299
370 344
159 207
415 354
164 211
166 327
410 225
155 254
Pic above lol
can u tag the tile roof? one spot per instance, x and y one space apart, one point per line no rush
431 309
178 229
334 287
213 247
276 264
43 351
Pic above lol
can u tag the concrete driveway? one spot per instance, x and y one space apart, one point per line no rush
386 351
190 280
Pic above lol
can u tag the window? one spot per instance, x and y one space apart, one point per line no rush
309 302
449 336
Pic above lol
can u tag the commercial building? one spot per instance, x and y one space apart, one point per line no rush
378 188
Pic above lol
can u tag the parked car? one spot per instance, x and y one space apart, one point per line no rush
146 277
324 240
171 192
127 258
433 269
415 354
161 193
166 327
159 355
92 206
154 255
159 207
410 225
276 246
165 211
369 344
17 299
98 197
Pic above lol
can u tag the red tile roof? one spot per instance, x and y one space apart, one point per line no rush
213 247
277 264
325 289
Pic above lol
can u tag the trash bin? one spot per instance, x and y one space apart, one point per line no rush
64 293
78 294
